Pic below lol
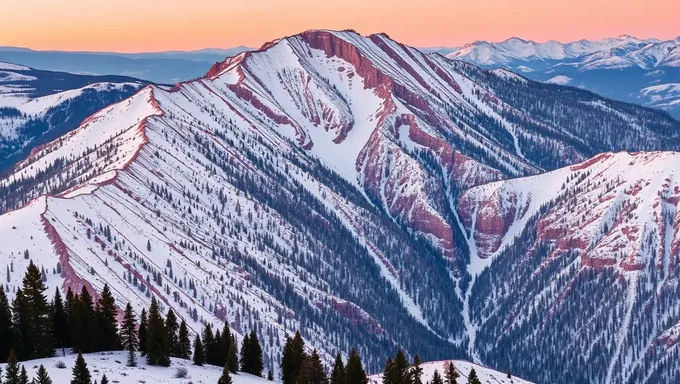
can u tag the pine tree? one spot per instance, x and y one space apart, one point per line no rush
232 357
172 329
42 376
21 325
472 378
81 375
338 372
106 321
251 359
23 377
270 376
12 370
292 358
437 378
312 371
184 347
199 356
225 378
354 370
84 323
208 344
417 371
402 373
157 343
216 350
227 339
6 330
128 335
39 315
60 326
451 374
388 372
105 380
141 339
509 375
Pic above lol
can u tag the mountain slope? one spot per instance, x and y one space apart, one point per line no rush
589 258
294 185
39 106
622 68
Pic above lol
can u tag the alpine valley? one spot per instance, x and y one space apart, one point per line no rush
373 196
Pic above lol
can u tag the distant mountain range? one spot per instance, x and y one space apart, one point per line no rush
625 68
159 67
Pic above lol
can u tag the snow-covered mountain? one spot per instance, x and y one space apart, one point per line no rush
464 368
39 106
622 67
316 183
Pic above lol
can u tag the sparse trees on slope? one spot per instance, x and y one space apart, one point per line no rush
354 370
312 371
128 335
157 344
338 372
81 374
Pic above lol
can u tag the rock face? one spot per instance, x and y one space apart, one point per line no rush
338 184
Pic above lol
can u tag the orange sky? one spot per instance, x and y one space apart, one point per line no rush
154 25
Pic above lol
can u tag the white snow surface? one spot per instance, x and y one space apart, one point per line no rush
464 367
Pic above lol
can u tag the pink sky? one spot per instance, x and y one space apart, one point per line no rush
154 25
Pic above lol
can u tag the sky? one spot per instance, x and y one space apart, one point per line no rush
158 25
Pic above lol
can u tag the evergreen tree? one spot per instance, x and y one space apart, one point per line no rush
232 357
338 372
472 378
451 374
105 380
354 370
417 371
227 339
157 343
6 330
199 356
12 370
254 361
509 375
172 329
60 327
106 321
184 346
270 376
23 377
216 350
208 344
143 322
225 378
81 375
245 352
39 315
128 335
437 378
292 358
21 325
388 372
42 376
84 323
312 371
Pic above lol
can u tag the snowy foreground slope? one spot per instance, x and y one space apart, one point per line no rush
486 375
294 185
113 365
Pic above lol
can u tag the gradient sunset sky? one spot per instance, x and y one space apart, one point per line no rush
155 25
